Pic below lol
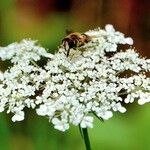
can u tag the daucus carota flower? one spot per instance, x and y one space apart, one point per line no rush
95 79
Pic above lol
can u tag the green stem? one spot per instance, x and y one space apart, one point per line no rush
86 138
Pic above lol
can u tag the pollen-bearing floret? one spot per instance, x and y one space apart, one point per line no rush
96 79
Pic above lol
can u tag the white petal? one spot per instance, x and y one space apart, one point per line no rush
19 116
109 28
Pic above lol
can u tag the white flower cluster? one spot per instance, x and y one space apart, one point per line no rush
96 79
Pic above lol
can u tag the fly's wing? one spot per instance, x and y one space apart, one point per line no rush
66 47
86 38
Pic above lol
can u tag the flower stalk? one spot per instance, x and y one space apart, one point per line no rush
86 139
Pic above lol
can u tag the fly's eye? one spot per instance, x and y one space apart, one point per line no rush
71 43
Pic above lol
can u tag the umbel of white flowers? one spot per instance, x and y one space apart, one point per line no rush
69 90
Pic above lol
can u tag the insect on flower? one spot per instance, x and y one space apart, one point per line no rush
74 40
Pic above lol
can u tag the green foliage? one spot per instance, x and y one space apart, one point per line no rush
4 133
125 131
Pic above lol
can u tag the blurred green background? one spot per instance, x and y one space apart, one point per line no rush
46 21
